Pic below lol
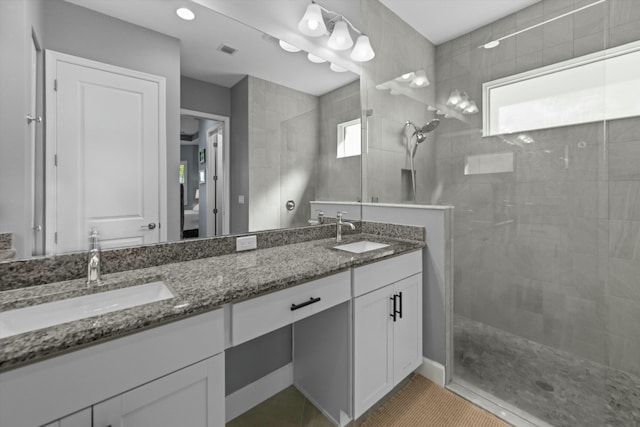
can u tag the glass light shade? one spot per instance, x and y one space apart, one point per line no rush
363 51
340 38
464 102
312 23
472 108
337 68
420 80
288 47
316 59
185 14
454 98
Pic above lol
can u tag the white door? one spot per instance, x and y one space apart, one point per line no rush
407 333
105 152
373 348
190 397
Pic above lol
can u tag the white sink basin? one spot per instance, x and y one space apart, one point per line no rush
18 321
360 247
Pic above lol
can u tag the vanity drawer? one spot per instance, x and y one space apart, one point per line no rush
376 275
260 315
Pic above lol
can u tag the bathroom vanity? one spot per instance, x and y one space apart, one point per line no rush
357 332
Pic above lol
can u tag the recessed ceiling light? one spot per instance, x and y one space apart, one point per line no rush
185 14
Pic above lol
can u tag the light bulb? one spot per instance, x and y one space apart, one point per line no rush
471 109
420 80
312 23
363 51
340 38
454 98
464 102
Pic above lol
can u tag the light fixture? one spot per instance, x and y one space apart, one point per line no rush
405 77
454 98
185 14
496 42
420 79
471 109
362 51
337 68
288 47
340 38
312 23
464 102
316 59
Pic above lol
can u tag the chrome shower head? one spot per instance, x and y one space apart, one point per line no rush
421 133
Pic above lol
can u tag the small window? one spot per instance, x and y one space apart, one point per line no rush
349 138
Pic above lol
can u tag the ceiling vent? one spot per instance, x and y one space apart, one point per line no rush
227 49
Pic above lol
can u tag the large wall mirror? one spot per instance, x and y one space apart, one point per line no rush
168 128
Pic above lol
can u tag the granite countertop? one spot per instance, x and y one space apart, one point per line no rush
199 286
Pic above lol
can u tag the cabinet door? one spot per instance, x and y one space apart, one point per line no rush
190 397
373 348
407 333
79 419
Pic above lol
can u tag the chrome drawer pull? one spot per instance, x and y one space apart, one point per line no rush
304 304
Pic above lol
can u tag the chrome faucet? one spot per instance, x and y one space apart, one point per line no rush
93 264
339 225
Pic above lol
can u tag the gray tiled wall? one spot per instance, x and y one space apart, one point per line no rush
399 49
551 251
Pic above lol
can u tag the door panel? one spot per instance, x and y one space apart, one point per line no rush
407 334
373 348
108 158
193 396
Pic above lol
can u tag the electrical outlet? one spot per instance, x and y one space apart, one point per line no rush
246 243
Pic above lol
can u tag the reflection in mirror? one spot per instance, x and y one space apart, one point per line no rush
267 121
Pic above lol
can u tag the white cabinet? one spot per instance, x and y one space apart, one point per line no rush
387 333
65 384
257 316
79 419
193 397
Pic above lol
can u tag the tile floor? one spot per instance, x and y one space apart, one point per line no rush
550 384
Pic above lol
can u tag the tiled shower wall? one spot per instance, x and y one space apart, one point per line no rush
399 49
283 147
550 251
339 179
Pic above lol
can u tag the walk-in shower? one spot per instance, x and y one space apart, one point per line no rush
418 137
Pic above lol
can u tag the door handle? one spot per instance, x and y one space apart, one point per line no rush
395 310
149 226
400 298
304 304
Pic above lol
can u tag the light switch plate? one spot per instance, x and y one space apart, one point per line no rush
246 243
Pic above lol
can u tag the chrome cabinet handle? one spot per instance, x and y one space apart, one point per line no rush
150 226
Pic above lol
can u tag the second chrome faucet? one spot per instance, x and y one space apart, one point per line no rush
339 225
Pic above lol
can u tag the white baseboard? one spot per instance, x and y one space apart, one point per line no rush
258 391
431 370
